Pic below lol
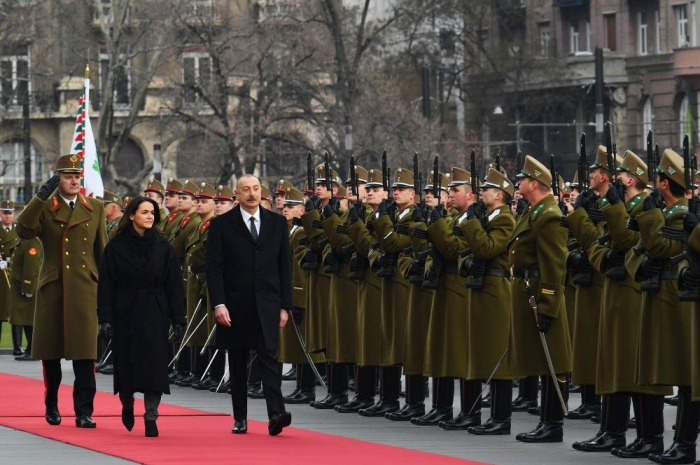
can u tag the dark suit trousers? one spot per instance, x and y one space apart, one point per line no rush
270 374
84 387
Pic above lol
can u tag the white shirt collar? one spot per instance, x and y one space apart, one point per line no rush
246 218
68 201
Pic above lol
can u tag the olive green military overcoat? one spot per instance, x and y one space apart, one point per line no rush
65 320
9 240
694 244
170 223
24 276
318 289
195 261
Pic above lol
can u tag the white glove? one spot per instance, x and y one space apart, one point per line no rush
28 296
3 265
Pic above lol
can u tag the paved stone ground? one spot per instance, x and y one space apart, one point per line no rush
24 448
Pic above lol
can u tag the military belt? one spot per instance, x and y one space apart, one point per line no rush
497 272
531 273
669 275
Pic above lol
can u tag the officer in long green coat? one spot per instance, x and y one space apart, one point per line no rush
690 225
72 230
366 245
488 325
113 212
539 270
664 335
8 242
172 201
587 223
155 191
24 277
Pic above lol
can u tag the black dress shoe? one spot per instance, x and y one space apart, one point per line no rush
605 442
128 419
577 444
240 427
84 421
355 405
291 375
548 432
671 400
17 351
380 408
434 417
256 393
222 389
486 401
301 397
407 412
491 428
53 417
151 429
187 382
584 412
206 384
522 404
330 401
25 357
176 376
519 436
278 422
596 419
351 385
461 422
107 369
632 423
641 448
534 410
678 453
575 388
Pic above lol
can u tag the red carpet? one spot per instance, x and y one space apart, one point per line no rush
191 436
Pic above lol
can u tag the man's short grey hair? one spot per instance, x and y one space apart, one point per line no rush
248 176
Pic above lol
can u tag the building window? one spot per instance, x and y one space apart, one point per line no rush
545 39
685 119
642 35
12 171
588 36
14 77
610 32
657 21
573 38
483 47
122 78
683 40
693 25
196 75
647 119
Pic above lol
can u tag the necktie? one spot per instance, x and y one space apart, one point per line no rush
253 229
71 204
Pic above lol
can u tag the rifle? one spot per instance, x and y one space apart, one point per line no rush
609 149
309 172
436 179
477 281
555 178
582 165
353 178
475 178
651 160
498 162
385 179
416 179
327 171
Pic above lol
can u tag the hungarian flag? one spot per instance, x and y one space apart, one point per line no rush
84 145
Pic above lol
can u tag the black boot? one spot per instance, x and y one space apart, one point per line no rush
305 392
365 380
17 340
687 419
443 396
590 404
334 397
527 394
151 429
470 407
649 411
550 428
291 375
614 416
415 400
27 356
501 408
390 387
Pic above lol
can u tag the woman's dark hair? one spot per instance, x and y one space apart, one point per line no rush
131 208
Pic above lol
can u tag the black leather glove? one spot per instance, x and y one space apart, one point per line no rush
310 260
416 271
386 260
437 212
521 206
650 267
615 257
419 214
383 208
544 322
298 314
312 204
48 187
106 332
691 220
355 213
356 264
477 210
478 268
580 262
652 201
584 200
331 208
689 279
615 194
178 330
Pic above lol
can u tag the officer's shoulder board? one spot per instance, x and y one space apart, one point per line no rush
674 209
543 210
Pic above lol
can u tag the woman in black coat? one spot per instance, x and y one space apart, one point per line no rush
139 296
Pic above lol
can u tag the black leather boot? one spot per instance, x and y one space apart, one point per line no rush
443 396
499 423
301 396
614 417
17 341
590 404
407 412
334 397
470 407
527 394
551 427
650 428
687 419
291 375
389 389
415 400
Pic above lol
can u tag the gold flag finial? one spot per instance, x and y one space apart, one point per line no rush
87 64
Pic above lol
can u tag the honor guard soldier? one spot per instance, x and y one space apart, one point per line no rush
280 192
290 349
198 299
341 350
664 333
446 347
366 245
619 324
266 198
538 309
189 221
113 212
172 201
488 325
24 278
154 190
8 242
223 200
72 230
392 215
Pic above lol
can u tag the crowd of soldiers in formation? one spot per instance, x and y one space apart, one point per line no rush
496 282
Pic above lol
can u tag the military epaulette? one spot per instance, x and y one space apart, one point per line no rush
85 202
203 227
634 201
185 220
172 217
552 209
55 204
537 211
674 209
602 202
